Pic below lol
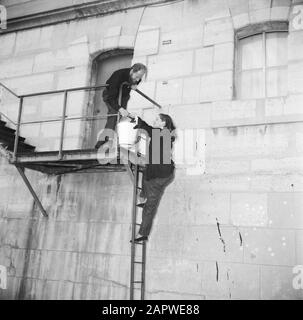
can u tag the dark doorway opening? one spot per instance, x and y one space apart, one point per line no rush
103 67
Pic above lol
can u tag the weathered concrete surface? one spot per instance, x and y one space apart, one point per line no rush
81 251
231 227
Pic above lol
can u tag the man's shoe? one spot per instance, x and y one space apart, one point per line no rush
99 144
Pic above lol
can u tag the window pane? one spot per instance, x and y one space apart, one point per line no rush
276 82
251 84
251 55
276 49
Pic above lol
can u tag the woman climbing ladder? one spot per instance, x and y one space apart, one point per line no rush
160 169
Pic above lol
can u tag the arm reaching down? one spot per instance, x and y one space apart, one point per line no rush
141 124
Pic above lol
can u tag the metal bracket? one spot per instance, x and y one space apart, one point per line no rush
32 191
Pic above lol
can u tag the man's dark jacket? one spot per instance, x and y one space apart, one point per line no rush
119 79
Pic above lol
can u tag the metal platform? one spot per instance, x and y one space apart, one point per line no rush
70 161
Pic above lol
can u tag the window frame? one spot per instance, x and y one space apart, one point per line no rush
249 31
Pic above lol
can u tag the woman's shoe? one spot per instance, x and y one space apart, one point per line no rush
143 238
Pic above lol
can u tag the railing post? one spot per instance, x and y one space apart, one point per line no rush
17 134
117 141
63 125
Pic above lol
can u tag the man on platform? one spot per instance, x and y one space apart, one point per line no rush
117 94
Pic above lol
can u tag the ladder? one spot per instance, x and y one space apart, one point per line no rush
138 249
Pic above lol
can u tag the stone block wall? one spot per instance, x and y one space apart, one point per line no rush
229 227
81 251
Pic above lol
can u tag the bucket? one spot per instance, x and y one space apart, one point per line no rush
126 132
128 136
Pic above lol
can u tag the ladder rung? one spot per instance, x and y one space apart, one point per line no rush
139 188
139 243
138 224
137 281
139 262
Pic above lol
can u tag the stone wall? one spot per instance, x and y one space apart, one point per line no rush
229 227
81 251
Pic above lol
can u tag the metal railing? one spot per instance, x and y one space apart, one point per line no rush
7 118
9 90
63 118
3 114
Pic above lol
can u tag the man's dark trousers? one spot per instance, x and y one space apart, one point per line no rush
112 117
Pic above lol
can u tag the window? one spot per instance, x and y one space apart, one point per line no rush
261 69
